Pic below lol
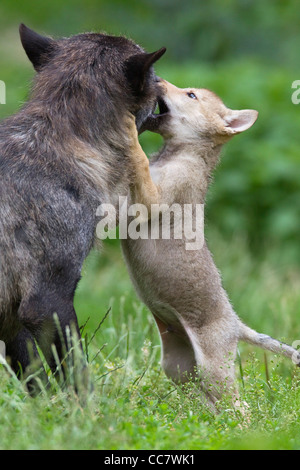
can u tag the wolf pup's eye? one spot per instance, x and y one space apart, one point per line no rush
192 95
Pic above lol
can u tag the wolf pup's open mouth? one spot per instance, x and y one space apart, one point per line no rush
154 120
162 107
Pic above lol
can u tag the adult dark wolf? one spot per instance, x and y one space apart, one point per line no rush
65 152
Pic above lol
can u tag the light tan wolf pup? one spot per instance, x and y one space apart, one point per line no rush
198 327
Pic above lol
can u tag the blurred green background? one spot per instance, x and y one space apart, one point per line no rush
246 51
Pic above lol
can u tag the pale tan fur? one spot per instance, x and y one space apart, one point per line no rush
198 327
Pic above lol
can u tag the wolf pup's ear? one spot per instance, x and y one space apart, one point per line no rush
239 121
137 67
38 48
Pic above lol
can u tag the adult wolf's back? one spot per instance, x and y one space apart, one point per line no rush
61 155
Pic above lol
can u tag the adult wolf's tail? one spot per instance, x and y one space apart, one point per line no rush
266 342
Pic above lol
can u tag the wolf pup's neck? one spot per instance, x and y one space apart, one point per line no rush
205 152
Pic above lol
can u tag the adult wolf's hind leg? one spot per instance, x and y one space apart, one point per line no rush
38 314
23 358
17 351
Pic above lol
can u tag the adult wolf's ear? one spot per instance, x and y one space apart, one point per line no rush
137 67
38 48
239 121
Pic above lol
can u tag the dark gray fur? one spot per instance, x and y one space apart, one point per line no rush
61 155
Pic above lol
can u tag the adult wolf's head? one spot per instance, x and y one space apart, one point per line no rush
92 77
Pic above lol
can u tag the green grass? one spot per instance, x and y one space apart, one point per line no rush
133 405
